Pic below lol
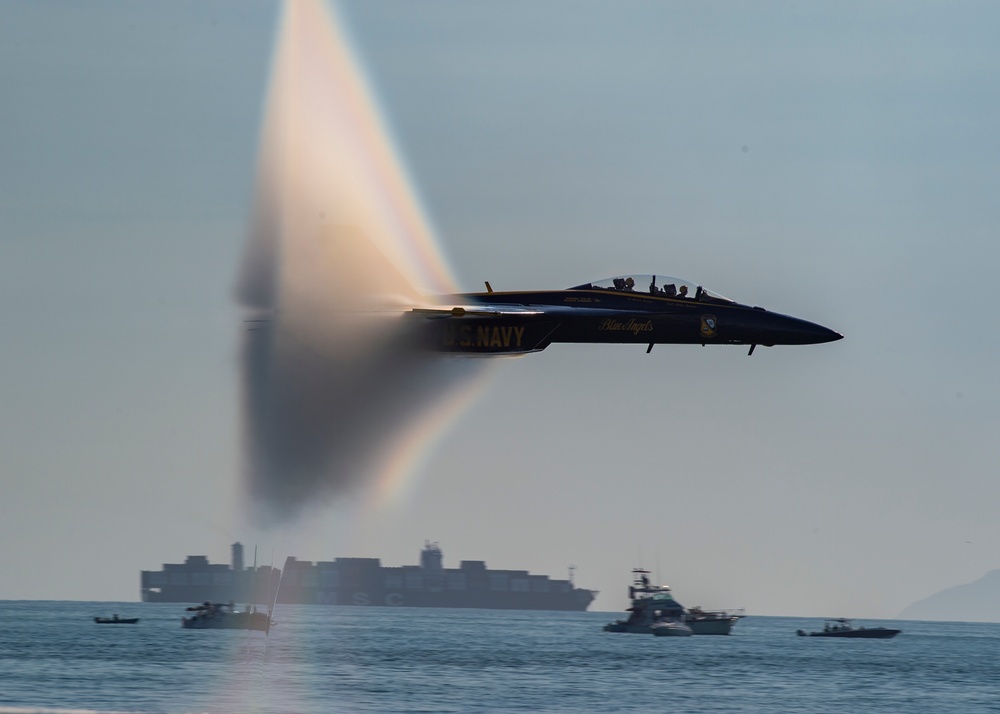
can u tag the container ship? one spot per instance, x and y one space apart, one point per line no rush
363 581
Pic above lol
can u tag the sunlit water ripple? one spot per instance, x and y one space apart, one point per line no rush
341 659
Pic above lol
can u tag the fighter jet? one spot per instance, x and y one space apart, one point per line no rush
629 309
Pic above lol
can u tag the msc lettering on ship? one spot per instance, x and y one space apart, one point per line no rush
484 336
329 597
391 599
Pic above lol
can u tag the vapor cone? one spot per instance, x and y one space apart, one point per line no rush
338 247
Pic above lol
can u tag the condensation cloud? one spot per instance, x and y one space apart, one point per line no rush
338 246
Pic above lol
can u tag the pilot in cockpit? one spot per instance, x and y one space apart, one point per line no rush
683 292
629 284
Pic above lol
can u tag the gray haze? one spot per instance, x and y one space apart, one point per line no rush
834 162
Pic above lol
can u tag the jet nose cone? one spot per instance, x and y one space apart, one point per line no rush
809 333
776 329
825 334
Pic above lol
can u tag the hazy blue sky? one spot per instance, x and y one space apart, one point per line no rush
838 162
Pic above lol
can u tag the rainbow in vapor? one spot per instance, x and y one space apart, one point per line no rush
333 397
326 160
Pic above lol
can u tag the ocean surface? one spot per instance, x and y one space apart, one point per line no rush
342 659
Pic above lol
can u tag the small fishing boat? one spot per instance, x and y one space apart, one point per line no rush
115 620
224 616
842 627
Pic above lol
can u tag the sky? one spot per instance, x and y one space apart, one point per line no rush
837 162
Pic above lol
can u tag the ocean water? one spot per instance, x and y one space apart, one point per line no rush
341 659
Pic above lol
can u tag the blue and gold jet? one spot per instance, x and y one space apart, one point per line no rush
630 309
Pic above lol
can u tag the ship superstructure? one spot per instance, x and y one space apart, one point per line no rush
365 581
197 580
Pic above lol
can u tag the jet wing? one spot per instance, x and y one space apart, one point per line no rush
542 311
487 329
476 311
497 329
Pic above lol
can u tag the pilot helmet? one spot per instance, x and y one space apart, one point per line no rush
629 283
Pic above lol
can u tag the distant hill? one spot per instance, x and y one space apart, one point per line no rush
971 602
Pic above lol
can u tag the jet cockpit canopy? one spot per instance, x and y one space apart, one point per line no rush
658 285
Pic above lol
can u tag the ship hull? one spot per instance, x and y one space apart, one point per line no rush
391 598
237 621
871 634
698 627
721 626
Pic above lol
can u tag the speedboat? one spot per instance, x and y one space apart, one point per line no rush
842 627
655 603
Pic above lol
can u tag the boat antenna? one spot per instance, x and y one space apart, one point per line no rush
274 599
572 569
253 582
252 605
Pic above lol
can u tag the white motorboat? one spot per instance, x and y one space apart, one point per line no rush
671 628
